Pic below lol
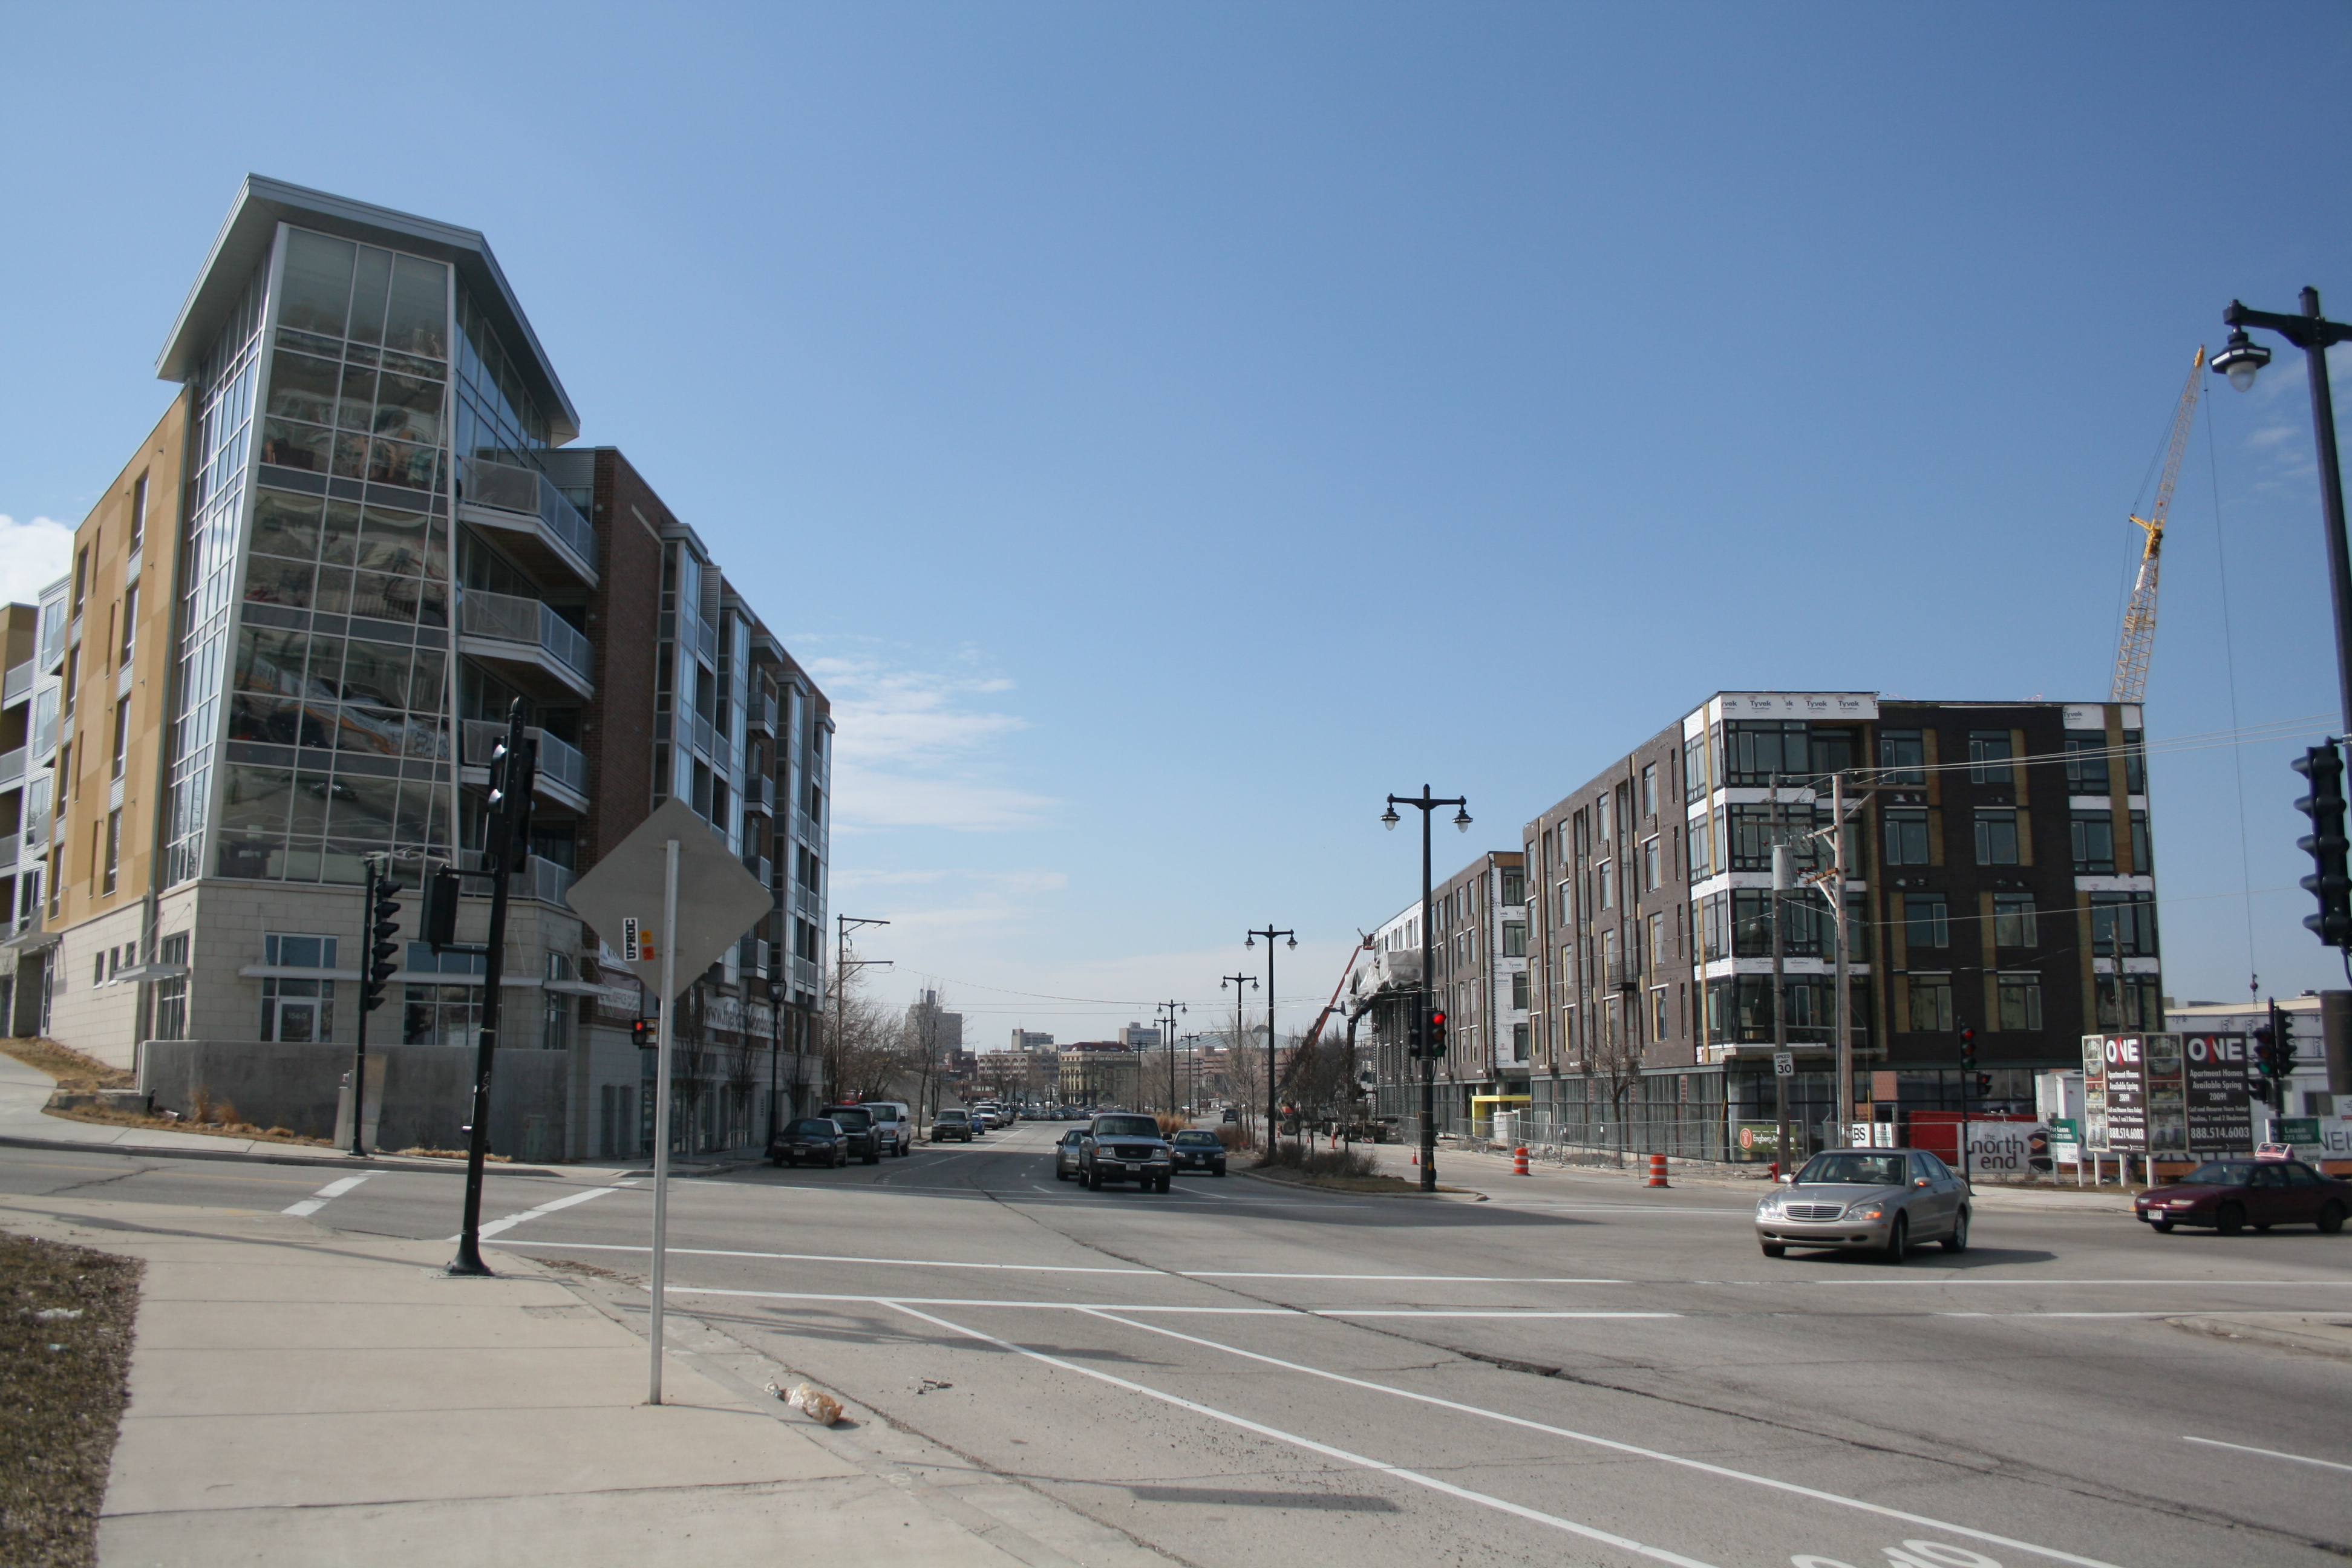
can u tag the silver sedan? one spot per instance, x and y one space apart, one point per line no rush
1885 1201
1066 1155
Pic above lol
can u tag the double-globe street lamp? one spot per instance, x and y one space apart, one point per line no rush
1419 1032
2240 361
1272 1107
1241 982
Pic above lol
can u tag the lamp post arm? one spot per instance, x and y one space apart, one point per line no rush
2305 332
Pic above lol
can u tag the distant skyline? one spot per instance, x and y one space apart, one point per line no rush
1190 424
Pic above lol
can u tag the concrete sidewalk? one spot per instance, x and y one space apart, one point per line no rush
299 1396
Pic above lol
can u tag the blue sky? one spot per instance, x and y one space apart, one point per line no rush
1168 430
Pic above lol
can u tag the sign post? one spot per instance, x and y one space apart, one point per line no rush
642 874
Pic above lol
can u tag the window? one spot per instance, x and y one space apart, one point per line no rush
1931 1003
1759 748
295 1010
1519 1042
1989 755
2013 924
1658 1014
2086 762
1997 837
440 1014
130 623
1902 756
172 993
1701 847
1906 837
2094 844
1608 890
138 512
1833 750
1515 939
1649 790
2135 764
1657 942
2020 1000
1694 773
1652 867
2134 1004
113 849
1750 838
1520 990
122 733
2122 924
81 577
557 1011
1926 921
1601 819
2143 865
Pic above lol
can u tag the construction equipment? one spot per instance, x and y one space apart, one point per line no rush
2139 640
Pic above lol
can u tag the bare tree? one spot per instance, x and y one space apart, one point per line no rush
1615 1060
744 1059
693 1063
866 1046
1246 1067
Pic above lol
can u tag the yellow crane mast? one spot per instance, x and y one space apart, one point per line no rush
2138 639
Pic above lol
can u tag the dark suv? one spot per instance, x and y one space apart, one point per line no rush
866 1139
1124 1148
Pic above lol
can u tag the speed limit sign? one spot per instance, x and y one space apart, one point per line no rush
1784 1064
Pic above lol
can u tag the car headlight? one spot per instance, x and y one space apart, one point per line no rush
1769 1208
1869 1208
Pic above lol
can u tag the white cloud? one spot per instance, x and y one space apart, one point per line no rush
33 555
908 747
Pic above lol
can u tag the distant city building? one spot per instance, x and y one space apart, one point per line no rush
1099 1072
1030 1040
937 1033
1140 1038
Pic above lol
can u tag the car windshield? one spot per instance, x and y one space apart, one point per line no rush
852 1120
809 1127
1853 1170
1126 1127
954 1116
1206 1140
2220 1174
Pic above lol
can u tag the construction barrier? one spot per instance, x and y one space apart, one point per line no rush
1657 1170
1520 1161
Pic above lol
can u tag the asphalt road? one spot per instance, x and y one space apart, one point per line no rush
1578 1371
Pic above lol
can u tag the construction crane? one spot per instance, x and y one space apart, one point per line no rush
2139 640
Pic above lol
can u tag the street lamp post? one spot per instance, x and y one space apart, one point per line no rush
1169 1010
1270 933
2240 361
1389 819
1240 982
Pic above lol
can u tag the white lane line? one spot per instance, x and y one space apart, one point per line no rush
1396 1278
2270 1453
565 1202
828 1257
317 1200
1105 1307
1450 1312
1606 1538
1965 1279
1610 1443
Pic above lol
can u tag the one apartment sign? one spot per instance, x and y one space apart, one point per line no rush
2165 1094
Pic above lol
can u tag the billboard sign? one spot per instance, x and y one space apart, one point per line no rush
2171 1096
2221 1113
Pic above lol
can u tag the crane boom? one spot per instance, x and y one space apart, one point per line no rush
2139 640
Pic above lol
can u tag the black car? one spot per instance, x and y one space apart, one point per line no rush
857 1122
1197 1148
1125 1148
817 1140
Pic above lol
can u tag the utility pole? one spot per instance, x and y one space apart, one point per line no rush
506 840
1844 1106
842 966
1783 866
1426 802
1169 1010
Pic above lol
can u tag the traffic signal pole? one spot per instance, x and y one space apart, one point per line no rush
505 836
375 971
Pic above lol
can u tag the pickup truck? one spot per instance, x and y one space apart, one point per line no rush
1124 1148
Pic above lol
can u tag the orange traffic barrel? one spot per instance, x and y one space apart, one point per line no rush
1657 1170
1520 1161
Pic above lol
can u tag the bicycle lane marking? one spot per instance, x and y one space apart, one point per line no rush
1501 1505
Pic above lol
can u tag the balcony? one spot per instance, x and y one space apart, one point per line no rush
562 774
760 713
759 866
532 520
544 880
12 768
528 636
8 843
758 793
18 685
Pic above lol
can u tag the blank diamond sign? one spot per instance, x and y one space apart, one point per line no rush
717 901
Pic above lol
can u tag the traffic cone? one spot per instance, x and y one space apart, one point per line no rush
1416 1157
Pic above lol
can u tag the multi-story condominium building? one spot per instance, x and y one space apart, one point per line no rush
1999 879
292 630
1478 953
28 740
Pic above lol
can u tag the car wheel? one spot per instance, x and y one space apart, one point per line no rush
1898 1240
1958 1240
1774 1248
2331 1219
2231 1220
2161 1227
1092 1178
875 1158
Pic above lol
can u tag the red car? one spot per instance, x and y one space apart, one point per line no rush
2231 1195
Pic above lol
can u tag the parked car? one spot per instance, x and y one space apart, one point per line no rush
1232 1115
1880 1200
2231 1195
983 1119
1198 1149
864 1136
1125 1148
899 1116
1066 1155
812 1139
951 1124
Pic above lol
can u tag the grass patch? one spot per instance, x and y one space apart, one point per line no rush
72 1068
112 1117
1307 1160
1338 1184
65 1316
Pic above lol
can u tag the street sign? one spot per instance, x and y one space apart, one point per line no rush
717 901
1784 1064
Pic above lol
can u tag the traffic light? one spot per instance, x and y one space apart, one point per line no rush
2283 1049
1983 1085
641 1034
2266 1048
1969 1049
1437 1031
508 835
2331 878
384 911
437 908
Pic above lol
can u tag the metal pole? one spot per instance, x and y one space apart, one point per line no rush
367 968
514 784
1428 1056
2331 503
1780 1151
661 1116
1844 1106
1271 1106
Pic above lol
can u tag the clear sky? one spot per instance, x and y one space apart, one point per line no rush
1167 429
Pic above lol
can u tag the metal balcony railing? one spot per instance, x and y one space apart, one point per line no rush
8 843
510 486
559 762
12 767
760 867
544 880
508 617
16 685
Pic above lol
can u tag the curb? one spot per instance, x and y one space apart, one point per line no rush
1457 1194
336 1161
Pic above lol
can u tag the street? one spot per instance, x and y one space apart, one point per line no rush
1577 1370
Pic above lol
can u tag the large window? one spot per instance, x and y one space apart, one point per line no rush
1906 837
2086 762
172 993
1988 754
2020 1000
2135 764
1693 771
2095 843
1931 1003
1997 837
2122 924
1901 757
1702 859
1760 749
1926 921
1650 789
294 1009
441 1014
1515 887
2143 861
2013 922
1515 939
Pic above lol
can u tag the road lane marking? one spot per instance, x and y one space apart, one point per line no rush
1610 1443
1453 1313
1103 1307
319 1199
828 1257
2270 1453
565 1202
1622 1544
1965 1279
1399 1278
